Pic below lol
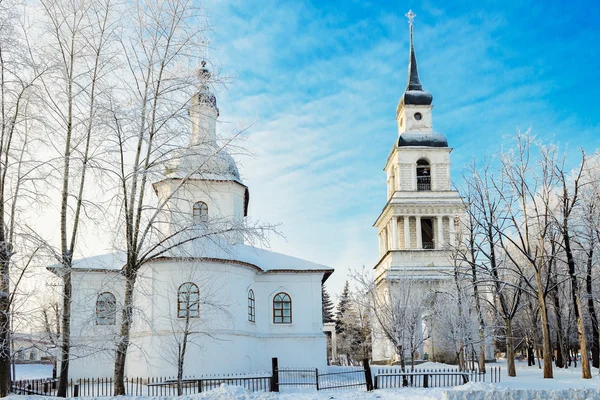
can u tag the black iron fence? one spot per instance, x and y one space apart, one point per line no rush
331 378
425 378
158 386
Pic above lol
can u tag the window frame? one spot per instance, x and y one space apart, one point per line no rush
187 311
106 316
279 302
251 306
200 212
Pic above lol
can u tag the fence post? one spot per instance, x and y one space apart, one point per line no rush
317 378
368 376
76 390
199 386
274 375
425 381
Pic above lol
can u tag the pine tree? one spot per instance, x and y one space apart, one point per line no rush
327 306
342 310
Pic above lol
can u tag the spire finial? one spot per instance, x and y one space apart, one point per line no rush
413 74
411 16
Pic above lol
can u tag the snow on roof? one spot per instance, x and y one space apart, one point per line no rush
266 260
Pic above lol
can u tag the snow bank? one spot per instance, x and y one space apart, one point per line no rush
225 392
511 394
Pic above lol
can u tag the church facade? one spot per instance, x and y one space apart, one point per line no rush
233 306
421 217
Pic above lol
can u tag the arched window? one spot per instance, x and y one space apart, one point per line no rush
200 212
282 309
188 301
251 306
106 309
423 175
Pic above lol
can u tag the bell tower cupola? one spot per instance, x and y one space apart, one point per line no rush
414 111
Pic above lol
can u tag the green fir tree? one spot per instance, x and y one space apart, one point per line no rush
327 306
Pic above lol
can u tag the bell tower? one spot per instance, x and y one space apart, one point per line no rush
418 224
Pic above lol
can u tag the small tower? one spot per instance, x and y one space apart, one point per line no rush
417 225
202 185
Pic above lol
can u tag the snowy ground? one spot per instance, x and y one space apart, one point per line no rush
528 385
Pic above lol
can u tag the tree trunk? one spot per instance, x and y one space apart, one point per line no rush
65 347
576 298
561 361
510 348
123 345
530 353
4 333
546 345
592 311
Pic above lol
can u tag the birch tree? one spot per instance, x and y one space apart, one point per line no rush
526 196
161 44
77 46
19 80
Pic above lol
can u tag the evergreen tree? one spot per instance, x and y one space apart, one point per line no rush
342 310
327 306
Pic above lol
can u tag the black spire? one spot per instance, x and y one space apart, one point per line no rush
414 93
413 72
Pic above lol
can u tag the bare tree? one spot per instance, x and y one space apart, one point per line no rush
19 76
565 220
398 306
485 211
77 46
526 197
159 44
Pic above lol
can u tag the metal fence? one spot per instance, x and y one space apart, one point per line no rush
331 378
341 377
425 378
158 386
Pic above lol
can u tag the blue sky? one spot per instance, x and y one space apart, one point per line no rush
318 82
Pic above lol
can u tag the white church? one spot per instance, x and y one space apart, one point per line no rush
241 305
420 219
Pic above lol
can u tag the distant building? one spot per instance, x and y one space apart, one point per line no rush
244 304
422 212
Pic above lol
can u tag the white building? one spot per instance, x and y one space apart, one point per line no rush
245 304
421 215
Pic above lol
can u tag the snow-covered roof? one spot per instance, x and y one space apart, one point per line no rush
265 260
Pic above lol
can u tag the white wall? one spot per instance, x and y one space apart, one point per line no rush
224 340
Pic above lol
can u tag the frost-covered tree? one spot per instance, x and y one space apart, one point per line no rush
343 307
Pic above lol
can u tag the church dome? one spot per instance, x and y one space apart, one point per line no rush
417 97
422 139
204 161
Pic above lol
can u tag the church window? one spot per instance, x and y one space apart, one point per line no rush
251 306
200 212
188 301
418 116
423 175
106 309
282 309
